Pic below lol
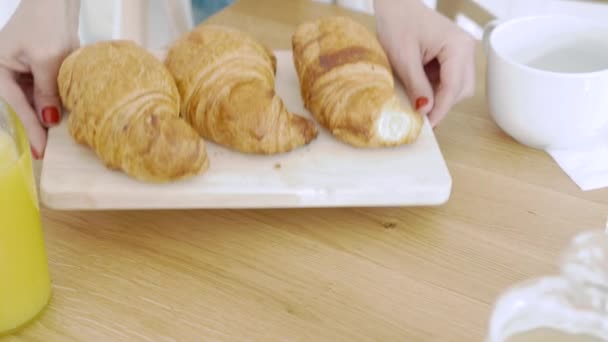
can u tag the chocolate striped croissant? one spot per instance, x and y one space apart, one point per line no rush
346 82
124 105
226 81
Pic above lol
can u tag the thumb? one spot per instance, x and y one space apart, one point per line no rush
410 68
46 98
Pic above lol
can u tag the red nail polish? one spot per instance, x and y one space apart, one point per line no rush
35 154
50 115
421 102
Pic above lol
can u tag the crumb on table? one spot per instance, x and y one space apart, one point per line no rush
277 166
389 225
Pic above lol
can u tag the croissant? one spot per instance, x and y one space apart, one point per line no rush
226 81
347 83
124 104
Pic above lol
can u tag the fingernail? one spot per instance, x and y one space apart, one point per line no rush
50 115
35 153
421 102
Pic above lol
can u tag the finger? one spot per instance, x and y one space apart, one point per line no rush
14 96
450 86
410 68
432 71
46 98
468 77
468 88
26 83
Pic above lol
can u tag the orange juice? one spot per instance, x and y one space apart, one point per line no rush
24 277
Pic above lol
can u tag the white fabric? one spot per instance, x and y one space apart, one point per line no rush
7 7
162 20
367 6
587 165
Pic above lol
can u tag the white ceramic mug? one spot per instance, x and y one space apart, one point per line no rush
547 79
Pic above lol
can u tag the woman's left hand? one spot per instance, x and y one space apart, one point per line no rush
433 57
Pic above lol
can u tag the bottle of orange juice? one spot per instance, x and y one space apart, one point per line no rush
24 278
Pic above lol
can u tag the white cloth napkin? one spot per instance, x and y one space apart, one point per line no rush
587 165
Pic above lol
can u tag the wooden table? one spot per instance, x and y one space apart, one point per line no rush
383 274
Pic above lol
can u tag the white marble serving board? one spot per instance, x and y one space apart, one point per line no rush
326 173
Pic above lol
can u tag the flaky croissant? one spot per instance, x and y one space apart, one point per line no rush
124 104
226 82
347 83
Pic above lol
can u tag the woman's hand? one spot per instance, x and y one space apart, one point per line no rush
39 35
433 57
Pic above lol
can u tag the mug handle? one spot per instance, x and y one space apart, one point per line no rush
487 31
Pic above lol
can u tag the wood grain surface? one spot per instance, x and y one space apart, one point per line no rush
382 274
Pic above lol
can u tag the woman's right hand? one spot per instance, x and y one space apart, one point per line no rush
33 44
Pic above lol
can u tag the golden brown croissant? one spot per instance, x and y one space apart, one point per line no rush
226 81
347 83
124 104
